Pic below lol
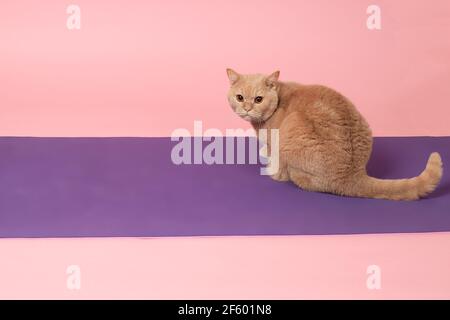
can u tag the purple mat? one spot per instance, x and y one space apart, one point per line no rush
128 187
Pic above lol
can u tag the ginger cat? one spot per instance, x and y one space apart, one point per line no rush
324 141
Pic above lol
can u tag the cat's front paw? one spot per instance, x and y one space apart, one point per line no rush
281 176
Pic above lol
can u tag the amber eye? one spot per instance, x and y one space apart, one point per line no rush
239 98
258 99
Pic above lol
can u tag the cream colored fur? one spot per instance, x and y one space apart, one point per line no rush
325 143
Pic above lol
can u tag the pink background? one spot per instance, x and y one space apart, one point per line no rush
144 68
413 266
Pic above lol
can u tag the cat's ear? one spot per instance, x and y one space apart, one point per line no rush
233 76
273 79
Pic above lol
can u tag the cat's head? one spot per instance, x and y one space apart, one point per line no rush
253 97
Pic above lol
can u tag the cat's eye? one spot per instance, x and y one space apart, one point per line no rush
258 99
239 98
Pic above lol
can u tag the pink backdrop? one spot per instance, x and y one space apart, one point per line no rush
412 266
144 68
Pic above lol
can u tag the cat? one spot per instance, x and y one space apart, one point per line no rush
324 142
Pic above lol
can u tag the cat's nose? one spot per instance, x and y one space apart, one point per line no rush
247 106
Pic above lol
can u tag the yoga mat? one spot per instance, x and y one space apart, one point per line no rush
129 187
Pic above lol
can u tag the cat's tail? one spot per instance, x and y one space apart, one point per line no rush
402 189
